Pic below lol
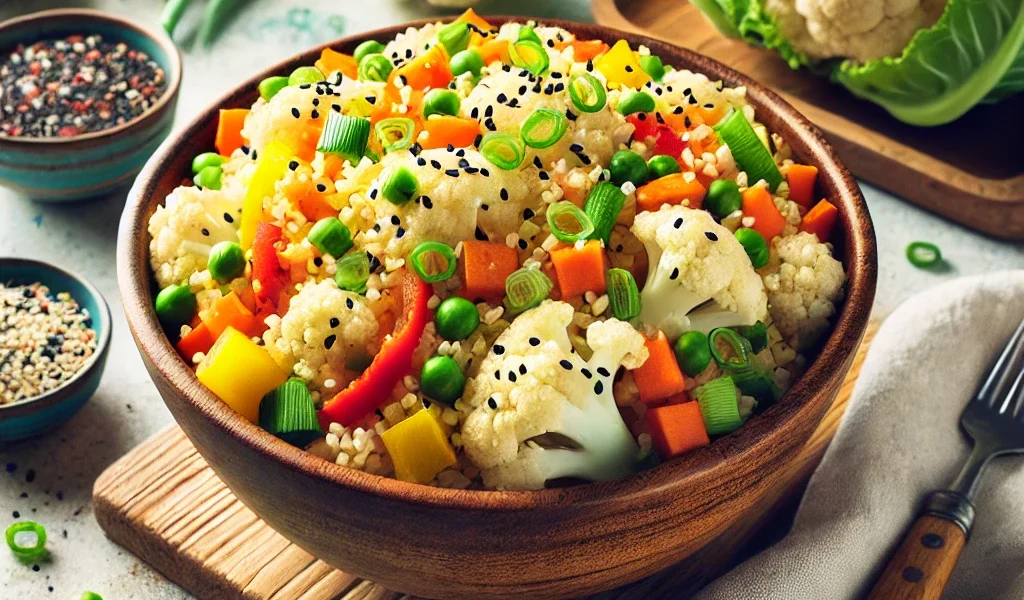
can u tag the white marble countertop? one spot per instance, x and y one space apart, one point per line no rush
50 479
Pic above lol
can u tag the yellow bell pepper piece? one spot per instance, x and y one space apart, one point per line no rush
240 372
419 448
272 165
621 67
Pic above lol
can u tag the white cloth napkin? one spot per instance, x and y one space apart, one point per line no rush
898 441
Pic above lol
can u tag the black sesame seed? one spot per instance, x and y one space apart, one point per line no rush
492 404
400 232
586 372
512 376
373 194
522 369
463 163
687 122
485 172
569 115
599 387
497 375
480 235
395 220
318 262
336 108
576 148
335 322
321 188
711 235
659 118
476 141
229 218
293 165
675 274
678 223
528 214
551 43
472 170
421 161
503 193
349 304
329 341
451 172
677 110
295 112
305 86
522 90
484 207
565 364
489 111
641 116
427 202
435 164
502 98
629 69
543 175
523 245
537 163
206 232
603 372
499 349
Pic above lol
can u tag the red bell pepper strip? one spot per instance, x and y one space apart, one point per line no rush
266 269
667 141
392 363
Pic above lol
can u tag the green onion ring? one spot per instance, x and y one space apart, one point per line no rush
587 93
352 272
375 67
568 223
345 136
529 55
923 255
400 185
623 295
27 553
503 150
739 344
603 205
396 133
543 128
426 254
525 289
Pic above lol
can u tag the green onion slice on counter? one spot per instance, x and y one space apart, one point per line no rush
454 37
634 102
603 206
923 255
719 406
352 272
503 150
399 186
330 236
543 128
288 412
525 289
623 295
375 67
433 261
396 133
345 136
27 553
568 223
748 151
529 55
587 93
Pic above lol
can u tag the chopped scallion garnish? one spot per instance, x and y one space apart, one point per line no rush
352 272
623 295
433 261
923 255
651 65
748 151
543 128
454 37
587 93
525 289
33 553
396 133
757 335
568 223
719 406
741 349
375 67
288 412
528 33
399 185
503 150
529 55
330 236
345 136
603 206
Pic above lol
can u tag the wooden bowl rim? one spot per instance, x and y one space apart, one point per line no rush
86 140
747 443
103 325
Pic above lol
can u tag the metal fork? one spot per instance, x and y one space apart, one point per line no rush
994 420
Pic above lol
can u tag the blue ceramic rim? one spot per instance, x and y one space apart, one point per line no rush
158 36
53 397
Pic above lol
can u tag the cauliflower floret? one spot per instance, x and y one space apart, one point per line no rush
413 42
680 87
277 120
458 192
693 260
859 29
323 327
186 227
805 288
537 411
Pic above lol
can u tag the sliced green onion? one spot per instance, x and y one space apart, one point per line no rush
440 101
433 261
454 37
525 289
568 223
399 186
603 206
754 245
345 136
305 75
288 412
367 48
527 33
375 67
587 93
740 347
206 159
396 133
33 553
634 102
529 55
467 61
502 150
209 178
352 272
270 86
543 128
719 406
747 150
757 380
757 335
623 295
330 236
923 255
652 66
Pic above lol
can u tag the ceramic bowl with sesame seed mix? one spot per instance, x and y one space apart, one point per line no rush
496 258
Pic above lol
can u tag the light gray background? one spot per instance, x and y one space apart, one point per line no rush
126 409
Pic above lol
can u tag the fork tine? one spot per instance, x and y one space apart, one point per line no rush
1015 396
999 380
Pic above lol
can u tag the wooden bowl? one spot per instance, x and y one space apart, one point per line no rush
559 542
82 166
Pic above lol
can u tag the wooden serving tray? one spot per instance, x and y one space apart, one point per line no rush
970 171
163 503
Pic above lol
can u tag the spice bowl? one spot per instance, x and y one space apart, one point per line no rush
61 169
44 412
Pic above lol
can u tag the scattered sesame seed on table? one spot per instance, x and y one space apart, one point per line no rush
75 85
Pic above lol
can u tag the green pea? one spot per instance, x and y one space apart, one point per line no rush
175 305
366 48
456 318
305 75
753 242
440 101
662 165
723 198
627 165
467 61
226 262
206 159
634 102
442 380
652 66
693 352
375 67
208 177
270 86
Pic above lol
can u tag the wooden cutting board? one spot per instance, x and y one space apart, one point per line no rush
970 171
164 504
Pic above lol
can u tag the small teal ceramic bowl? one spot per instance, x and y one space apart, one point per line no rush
77 167
36 415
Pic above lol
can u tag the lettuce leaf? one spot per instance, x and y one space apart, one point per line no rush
747 20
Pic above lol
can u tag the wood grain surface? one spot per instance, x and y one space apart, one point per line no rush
923 563
163 503
980 185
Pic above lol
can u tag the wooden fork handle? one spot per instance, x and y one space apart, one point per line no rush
925 559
